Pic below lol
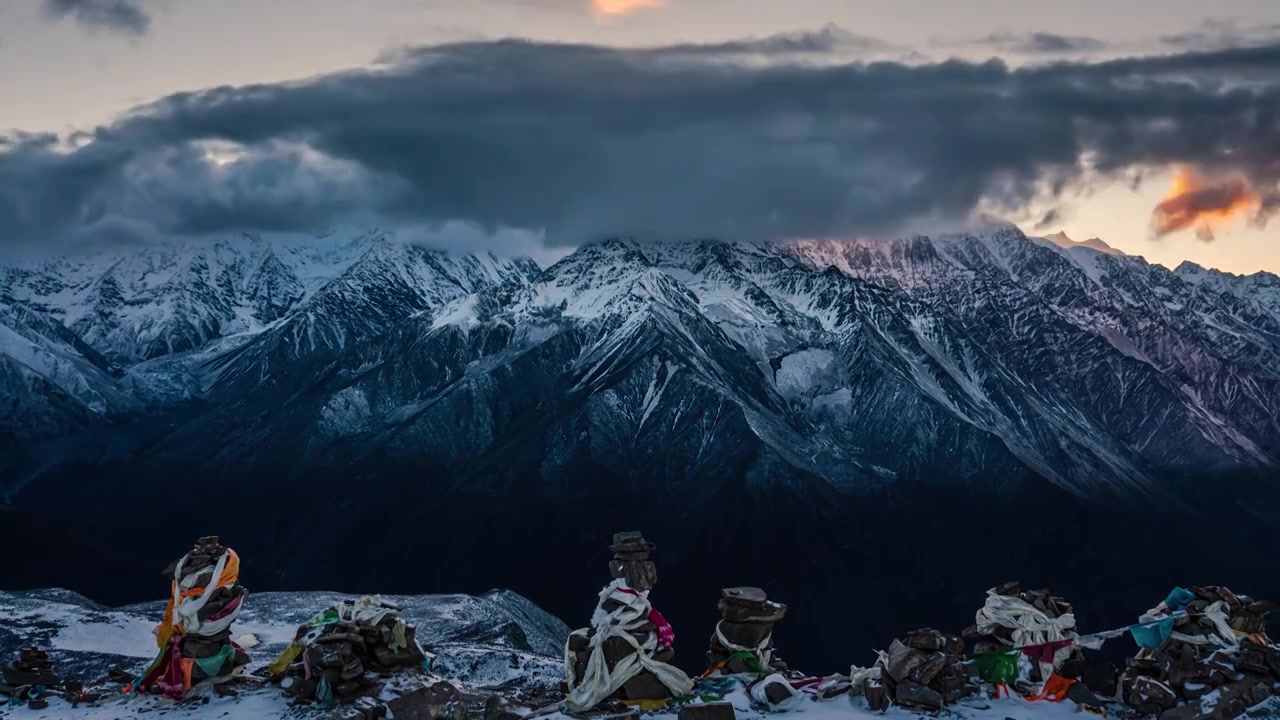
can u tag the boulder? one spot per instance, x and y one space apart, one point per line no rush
1232 703
918 697
440 701
877 695
903 660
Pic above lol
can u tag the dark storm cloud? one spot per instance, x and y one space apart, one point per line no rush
1218 33
830 39
582 140
1043 43
122 16
1050 218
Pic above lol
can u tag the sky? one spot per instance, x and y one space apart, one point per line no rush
1146 123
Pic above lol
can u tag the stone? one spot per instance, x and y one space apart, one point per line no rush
631 542
645 686
927 640
1232 703
951 678
224 690
500 708
778 693
918 697
38 704
1009 589
299 687
1155 667
616 649
752 597
902 660
926 673
1149 696
745 634
641 575
1273 661
73 692
954 646
440 701
1080 694
954 696
767 612
708 711
21 677
877 695
344 713
372 709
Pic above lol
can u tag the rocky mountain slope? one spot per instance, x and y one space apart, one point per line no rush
352 391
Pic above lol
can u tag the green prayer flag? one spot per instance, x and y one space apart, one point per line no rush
1000 668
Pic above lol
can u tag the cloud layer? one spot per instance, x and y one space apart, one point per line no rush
1204 204
123 16
577 141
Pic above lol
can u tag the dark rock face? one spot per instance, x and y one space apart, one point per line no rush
702 391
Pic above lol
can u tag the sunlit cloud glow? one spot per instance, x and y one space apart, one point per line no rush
1206 204
616 8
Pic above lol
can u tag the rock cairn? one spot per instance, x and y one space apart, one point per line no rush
634 641
630 563
923 672
346 652
1217 648
29 678
743 639
33 667
991 635
224 600
195 636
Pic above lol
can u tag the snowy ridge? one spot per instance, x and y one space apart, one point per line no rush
486 640
856 361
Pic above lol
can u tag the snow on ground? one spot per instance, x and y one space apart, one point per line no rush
472 636
480 641
268 702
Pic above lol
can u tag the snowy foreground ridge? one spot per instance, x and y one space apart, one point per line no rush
494 639
496 643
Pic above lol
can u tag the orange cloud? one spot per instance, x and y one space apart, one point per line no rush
1206 204
611 8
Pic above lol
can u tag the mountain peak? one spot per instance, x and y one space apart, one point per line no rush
1062 240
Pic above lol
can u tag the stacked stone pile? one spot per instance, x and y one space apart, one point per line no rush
1068 662
924 672
1216 661
743 639
29 679
341 655
632 639
213 652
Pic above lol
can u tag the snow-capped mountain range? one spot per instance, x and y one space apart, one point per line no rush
853 360
350 391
